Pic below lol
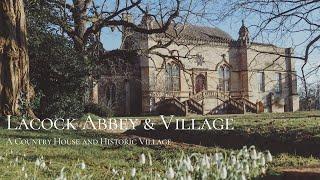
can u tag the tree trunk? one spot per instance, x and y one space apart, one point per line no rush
15 89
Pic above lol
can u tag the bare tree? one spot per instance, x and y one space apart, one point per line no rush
15 89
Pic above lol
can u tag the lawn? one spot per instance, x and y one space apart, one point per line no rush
282 132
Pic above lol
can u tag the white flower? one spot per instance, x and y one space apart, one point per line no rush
188 164
243 177
43 165
269 156
114 171
82 165
233 160
216 157
133 172
247 169
170 173
223 172
253 153
61 177
263 170
158 176
254 164
37 163
204 175
142 159
189 177
262 161
239 166
23 168
205 162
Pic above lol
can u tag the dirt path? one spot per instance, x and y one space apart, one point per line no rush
301 173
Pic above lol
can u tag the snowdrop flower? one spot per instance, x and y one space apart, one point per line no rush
247 169
239 166
233 160
253 153
243 177
197 167
43 165
25 175
142 159
82 165
1 158
216 157
223 172
114 172
189 177
133 172
204 175
262 161
16 160
269 156
37 163
23 169
158 176
62 176
254 164
188 164
205 162
170 173
263 170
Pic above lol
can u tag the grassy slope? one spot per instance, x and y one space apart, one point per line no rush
101 160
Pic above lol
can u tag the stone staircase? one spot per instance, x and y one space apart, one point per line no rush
195 103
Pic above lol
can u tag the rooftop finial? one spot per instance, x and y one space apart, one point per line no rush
147 7
242 22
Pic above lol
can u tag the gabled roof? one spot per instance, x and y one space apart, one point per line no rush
194 32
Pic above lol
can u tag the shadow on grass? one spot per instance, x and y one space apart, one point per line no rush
236 139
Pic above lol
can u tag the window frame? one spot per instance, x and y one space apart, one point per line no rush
172 77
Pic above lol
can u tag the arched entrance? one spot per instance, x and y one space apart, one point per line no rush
200 83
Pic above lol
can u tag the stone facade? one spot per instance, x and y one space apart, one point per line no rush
212 74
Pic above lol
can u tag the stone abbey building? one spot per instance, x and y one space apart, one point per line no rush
214 74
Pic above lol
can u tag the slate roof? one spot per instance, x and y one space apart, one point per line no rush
197 33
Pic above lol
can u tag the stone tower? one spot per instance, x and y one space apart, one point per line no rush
243 43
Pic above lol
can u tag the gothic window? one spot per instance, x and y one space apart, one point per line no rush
261 83
172 77
111 93
224 78
278 87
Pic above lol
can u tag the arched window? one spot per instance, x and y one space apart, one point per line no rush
172 77
200 83
110 93
224 78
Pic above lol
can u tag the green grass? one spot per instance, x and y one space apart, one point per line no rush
100 160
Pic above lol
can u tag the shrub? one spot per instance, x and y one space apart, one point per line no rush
99 110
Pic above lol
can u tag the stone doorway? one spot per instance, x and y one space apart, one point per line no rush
200 83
